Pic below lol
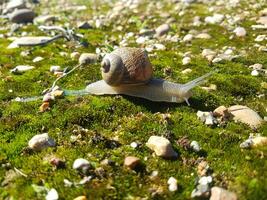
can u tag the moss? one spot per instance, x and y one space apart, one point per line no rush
113 122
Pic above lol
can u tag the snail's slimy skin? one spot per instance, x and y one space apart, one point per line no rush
154 90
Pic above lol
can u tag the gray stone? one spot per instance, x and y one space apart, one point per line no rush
22 16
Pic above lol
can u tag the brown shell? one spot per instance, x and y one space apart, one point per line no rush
137 67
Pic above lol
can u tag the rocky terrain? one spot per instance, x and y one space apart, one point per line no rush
57 141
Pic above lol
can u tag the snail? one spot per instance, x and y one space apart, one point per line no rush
128 71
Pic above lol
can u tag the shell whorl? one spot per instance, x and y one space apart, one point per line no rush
126 66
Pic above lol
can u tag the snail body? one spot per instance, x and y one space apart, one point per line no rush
128 71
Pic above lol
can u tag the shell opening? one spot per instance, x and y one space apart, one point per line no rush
105 66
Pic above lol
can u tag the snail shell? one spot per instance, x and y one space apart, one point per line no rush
126 66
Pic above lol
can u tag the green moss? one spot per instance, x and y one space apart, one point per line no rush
113 122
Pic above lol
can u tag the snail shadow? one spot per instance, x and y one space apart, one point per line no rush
155 107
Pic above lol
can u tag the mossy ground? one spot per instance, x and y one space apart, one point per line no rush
131 119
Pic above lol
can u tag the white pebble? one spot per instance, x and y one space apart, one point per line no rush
161 146
186 60
188 38
255 72
54 68
172 182
37 59
134 145
52 195
41 141
195 146
240 32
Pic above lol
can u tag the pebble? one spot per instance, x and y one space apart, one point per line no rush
256 66
206 117
161 146
218 193
162 30
215 19
44 107
88 58
255 72
131 162
195 146
202 168
81 165
141 40
254 142
22 16
55 68
80 198
245 115
37 59
43 19
203 36
159 46
260 38
75 55
14 4
52 195
221 111
40 142
134 145
172 182
240 32
27 40
84 25
21 68
186 61
186 71
188 38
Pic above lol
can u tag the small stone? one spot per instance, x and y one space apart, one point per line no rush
195 146
202 168
14 4
52 195
21 68
221 111
206 117
203 36
80 198
55 68
131 162
254 142
84 25
205 180
24 41
37 59
210 88
22 16
186 71
161 146
218 193
172 182
134 145
215 19
40 142
186 61
44 107
75 55
81 165
43 19
255 72
240 32
260 38
245 115
256 66
141 40
159 46
88 58
162 30
188 38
